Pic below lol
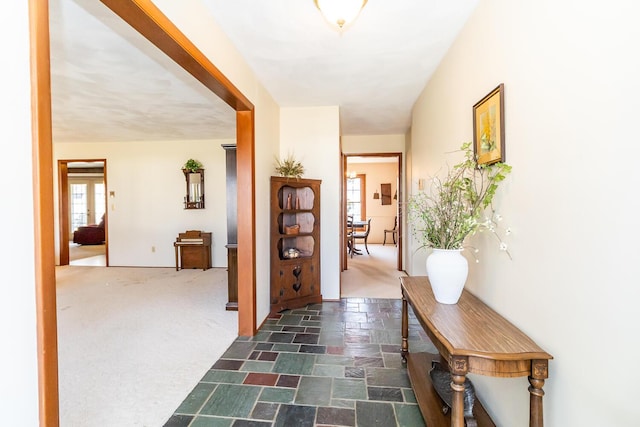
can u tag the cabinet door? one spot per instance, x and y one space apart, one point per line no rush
295 283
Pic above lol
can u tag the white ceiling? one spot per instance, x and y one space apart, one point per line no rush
109 83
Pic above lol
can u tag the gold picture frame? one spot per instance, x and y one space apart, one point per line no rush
488 127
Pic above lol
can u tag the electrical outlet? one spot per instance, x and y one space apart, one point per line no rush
153 248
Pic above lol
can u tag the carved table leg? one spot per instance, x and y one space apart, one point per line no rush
405 330
539 371
459 368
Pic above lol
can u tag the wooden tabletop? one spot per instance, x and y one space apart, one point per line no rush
470 327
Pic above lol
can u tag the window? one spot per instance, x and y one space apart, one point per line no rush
356 192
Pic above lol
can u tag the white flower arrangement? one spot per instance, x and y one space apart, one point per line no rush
491 224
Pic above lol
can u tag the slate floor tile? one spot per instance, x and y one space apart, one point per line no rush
384 377
389 394
231 400
250 423
265 411
375 414
294 415
408 415
353 372
265 346
202 421
281 337
179 421
239 350
231 365
268 355
288 381
222 376
349 388
291 348
334 371
257 366
314 391
293 328
295 363
369 362
336 416
196 398
315 349
277 395
329 364
306 338
256 378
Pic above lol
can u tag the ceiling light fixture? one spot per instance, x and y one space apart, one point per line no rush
340 13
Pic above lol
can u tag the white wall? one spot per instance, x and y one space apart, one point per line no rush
312 136
18 364
572 97
382 216
148 210
363 144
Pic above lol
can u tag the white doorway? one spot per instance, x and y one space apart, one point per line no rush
87 208
373 191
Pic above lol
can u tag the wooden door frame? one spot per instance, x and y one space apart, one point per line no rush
343 183
63 210
149 21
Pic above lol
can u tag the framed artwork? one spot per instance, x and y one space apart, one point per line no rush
488 127
385 189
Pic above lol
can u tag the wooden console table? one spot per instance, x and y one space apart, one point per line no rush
471 338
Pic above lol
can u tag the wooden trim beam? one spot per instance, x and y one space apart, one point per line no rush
63 212
44 242
246 223
148 20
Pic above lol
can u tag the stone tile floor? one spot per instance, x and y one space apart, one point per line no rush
329 364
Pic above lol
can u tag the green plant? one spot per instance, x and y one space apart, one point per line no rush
289 167
452 209
192 165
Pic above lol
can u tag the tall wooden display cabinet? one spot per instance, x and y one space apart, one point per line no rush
295 243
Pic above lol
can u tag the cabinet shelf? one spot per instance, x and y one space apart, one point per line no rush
287 236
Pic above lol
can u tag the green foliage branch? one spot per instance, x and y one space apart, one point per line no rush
452 209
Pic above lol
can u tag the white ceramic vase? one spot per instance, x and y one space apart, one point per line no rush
447 270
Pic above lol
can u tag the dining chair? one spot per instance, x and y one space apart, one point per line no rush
350 248
363 235
393 231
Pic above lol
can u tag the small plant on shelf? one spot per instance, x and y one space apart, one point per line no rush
289 167
192 165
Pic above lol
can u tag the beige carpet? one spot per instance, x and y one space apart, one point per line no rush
91 255
374 275
133 342
77 252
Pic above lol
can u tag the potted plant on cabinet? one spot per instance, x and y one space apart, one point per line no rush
447 213
192 165
289 167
